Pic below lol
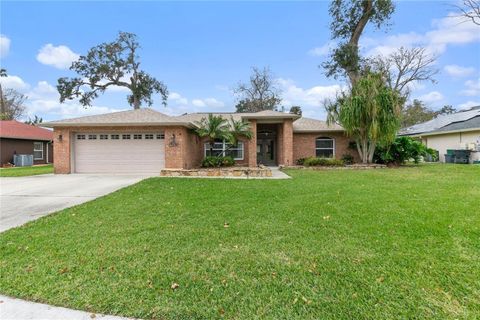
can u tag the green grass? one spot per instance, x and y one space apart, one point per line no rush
393 243
26 171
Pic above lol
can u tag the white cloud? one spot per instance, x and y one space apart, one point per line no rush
450 30
473 88
60 57
14 82
43 90
311 100
458 71
430 97
323 50
43 100
4 46
177 99
314 96
208 102
53 109
198 103
468 105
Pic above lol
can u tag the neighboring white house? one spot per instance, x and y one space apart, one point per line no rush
460 130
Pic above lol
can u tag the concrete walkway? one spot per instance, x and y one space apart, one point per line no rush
23 199
16 309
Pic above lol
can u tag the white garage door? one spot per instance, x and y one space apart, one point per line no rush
119 152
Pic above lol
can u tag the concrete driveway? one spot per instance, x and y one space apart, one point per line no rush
23 199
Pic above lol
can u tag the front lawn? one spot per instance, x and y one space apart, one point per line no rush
26 171
337 244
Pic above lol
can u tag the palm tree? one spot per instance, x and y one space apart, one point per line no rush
218 128
370 113
213 127
238 129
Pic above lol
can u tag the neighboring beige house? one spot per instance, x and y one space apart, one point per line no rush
460 130
145 140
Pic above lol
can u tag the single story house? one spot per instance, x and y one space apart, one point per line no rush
20 138
459 130
145 140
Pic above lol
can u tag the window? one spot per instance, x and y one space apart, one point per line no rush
137 136
103 136
222 148
160 136
115 136
148 136
38 151
125 136
80 137
325 147
92 137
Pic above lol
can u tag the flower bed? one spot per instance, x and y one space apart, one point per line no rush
357 166
218 172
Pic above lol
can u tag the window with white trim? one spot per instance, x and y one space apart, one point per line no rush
115 136
92 137
103 136
325 147
38 151
161 136
223 148
80 137
148 136
137 136
125 136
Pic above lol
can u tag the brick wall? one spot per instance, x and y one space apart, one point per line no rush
287 140
304 145
252 145
61 150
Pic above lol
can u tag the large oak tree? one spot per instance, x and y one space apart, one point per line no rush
111 64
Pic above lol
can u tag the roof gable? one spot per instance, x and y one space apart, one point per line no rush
18 130
145 116
440 122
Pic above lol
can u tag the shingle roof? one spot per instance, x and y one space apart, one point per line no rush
143 116
473 123
314 125
18 130
151 117
440 122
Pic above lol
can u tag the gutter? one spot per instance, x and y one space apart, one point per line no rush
117 124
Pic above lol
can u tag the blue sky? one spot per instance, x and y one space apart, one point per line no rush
200 50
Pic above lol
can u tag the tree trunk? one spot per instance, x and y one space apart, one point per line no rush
3 108
136 102
371 151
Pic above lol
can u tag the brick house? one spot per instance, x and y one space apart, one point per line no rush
145 140
20 138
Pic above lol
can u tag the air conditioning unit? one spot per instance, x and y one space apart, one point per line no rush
23 160
471 146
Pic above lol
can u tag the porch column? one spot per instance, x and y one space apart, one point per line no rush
62 150
252 145
175 147
287 142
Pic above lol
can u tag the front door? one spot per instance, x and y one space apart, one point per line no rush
266 152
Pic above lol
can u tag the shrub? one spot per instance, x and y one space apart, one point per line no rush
347 158
300 161
402 150
215 162
312 161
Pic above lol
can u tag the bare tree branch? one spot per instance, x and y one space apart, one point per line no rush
405 67
470 10
260 93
